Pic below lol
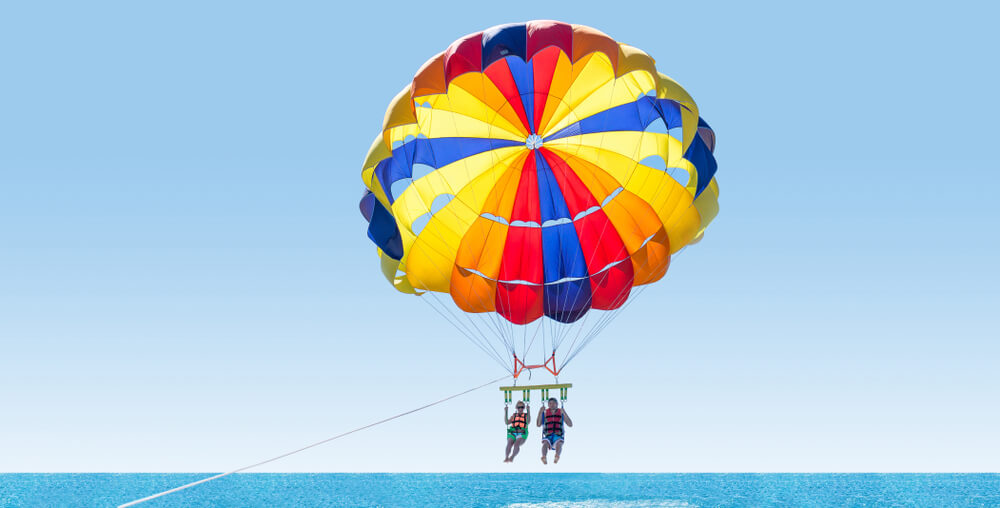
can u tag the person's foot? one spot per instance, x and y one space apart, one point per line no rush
556 460
506 459
544 461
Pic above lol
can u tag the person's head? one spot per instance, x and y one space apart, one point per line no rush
553 403
520 407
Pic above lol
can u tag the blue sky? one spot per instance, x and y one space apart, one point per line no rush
185 282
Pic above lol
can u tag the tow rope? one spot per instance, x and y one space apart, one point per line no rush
304 448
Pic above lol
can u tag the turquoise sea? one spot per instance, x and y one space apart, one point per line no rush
570 490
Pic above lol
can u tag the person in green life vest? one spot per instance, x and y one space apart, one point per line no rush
553 435
517 430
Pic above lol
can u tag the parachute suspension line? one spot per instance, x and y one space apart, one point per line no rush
533 337
469 317
495 327
478 338
554 327
611 315
490 323
603 323
619 302
511 331
481 343
313 445
545 339
497 353
607 319
462 327
467 332
600 237
507 303
524 339
579 330
558 330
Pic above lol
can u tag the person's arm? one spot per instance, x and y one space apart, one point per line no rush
540 419
527 416
506 415
566 419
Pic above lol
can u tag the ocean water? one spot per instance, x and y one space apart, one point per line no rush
570 490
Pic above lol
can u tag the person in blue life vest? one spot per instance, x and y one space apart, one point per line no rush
517 430
555 420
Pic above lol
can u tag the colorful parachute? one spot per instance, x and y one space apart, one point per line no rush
535 170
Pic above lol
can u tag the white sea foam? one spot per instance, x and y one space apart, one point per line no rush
606 503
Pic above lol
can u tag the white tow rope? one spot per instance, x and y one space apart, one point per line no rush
304 448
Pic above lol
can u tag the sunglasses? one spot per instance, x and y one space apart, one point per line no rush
520 407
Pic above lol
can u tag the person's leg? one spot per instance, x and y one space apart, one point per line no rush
517 448
545 450
506 453
558 451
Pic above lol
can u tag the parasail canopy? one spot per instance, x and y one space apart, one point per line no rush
530 178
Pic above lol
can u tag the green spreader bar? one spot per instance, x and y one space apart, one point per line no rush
535 387
508 391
